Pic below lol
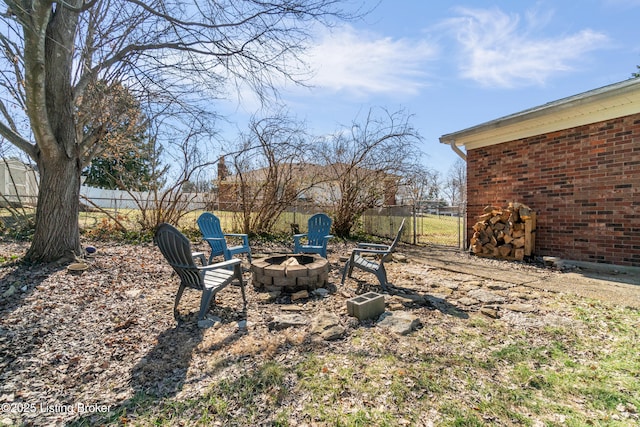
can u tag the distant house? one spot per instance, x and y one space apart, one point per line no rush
18 183
575 161
317 182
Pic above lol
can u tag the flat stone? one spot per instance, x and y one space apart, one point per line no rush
466 301
264 297
300 295
208 322
450 285
521 308
400 258
320 292
400 322
285 321
485 296
293 308
394 306
473 283
444 291
327 326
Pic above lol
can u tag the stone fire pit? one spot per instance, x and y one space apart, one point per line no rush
290 273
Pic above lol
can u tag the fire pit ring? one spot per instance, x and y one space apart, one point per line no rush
290 273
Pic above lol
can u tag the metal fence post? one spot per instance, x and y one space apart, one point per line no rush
415 225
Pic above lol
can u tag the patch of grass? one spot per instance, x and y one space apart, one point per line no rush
8 258
438 229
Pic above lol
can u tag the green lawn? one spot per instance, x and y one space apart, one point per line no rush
430 229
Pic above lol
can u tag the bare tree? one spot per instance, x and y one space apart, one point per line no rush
52 52
420 183
365 164
455 184
271 168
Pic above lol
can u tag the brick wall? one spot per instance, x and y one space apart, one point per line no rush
584 184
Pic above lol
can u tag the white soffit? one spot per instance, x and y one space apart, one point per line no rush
610 102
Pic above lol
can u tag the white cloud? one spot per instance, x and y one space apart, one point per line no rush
499 50
362 63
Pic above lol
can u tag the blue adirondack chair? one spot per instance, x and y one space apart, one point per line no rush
209 279
317 236
382 252
209 225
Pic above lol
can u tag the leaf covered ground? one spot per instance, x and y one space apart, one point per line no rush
102 348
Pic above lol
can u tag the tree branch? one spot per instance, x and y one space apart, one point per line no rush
17 140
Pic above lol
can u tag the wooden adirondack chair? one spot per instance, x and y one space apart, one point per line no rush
209 279
317 236
376 267
209 225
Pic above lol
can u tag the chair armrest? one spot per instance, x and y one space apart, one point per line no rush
297 237
200 256
222 264
370 251
244 237
214 239
373 245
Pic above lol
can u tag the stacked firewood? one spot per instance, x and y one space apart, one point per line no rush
507 233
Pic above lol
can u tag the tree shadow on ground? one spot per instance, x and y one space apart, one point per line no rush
162 373
18 279
163 370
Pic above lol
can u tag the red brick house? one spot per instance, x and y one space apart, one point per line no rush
575 161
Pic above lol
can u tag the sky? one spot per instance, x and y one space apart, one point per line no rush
454 65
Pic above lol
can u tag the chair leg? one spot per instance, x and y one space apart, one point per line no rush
177 300
207 296
244 294
249 256
344 273
381 274
238 275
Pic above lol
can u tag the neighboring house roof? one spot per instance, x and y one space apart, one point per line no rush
609 102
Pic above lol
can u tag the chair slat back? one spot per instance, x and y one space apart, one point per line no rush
393 245
318 226
209 225
176 249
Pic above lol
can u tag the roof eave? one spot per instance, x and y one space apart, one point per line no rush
601 104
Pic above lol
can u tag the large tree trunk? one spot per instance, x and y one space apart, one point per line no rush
51 111
56 236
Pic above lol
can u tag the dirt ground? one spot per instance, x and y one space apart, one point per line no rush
617 286
104 335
